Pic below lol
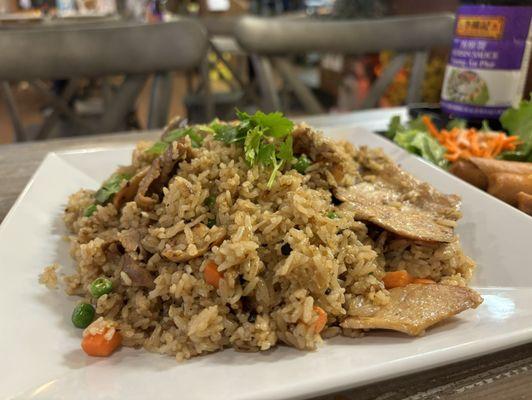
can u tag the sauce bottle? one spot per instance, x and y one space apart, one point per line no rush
489 61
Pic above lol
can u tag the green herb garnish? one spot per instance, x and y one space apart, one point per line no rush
211 222
89 210
159 147
267 139
302 163
228 133
110 187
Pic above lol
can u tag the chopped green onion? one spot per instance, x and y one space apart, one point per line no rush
211 222
157 148
101 286
210 201
332 215
90 210
110 187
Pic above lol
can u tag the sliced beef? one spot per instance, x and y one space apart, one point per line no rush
138 274
396 201
414 308
160 172
337 157
382 207
130 189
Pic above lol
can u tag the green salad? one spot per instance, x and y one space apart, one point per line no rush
416 137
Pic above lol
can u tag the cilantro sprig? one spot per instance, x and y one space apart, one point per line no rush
266 138
159 147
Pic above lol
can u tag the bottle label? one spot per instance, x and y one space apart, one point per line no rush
489 61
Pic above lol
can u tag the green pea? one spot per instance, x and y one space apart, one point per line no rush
302 163
100 286
332 215
83 315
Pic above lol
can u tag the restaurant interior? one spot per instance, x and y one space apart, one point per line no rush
443 87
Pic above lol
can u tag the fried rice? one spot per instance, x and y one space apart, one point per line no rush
283 253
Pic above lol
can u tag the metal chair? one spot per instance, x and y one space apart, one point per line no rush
271 40
98 50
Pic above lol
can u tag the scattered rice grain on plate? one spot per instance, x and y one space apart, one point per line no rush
49 276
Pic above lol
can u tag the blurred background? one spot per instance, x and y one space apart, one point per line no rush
75 67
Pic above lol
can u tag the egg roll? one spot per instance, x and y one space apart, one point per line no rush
476 170
524 202
506 186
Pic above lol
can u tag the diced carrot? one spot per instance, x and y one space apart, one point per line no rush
98 346
423 281
322 319
394 279
211 274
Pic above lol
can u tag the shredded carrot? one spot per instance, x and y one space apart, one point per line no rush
322 319
99 346
211 274
463 143
452 157
394 279
475 150
423 281
430 126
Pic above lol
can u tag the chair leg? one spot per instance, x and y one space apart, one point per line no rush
264 71
20 132
384 81
302 92
161 92
123 102
416 77
51 120
60 104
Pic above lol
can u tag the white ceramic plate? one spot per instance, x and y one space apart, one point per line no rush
41 357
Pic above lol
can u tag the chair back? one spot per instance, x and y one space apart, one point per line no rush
92 50
271 40
68 51
280 36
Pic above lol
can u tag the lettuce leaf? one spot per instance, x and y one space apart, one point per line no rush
395 126
422 144
518 121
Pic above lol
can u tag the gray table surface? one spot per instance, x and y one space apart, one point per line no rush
502 375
